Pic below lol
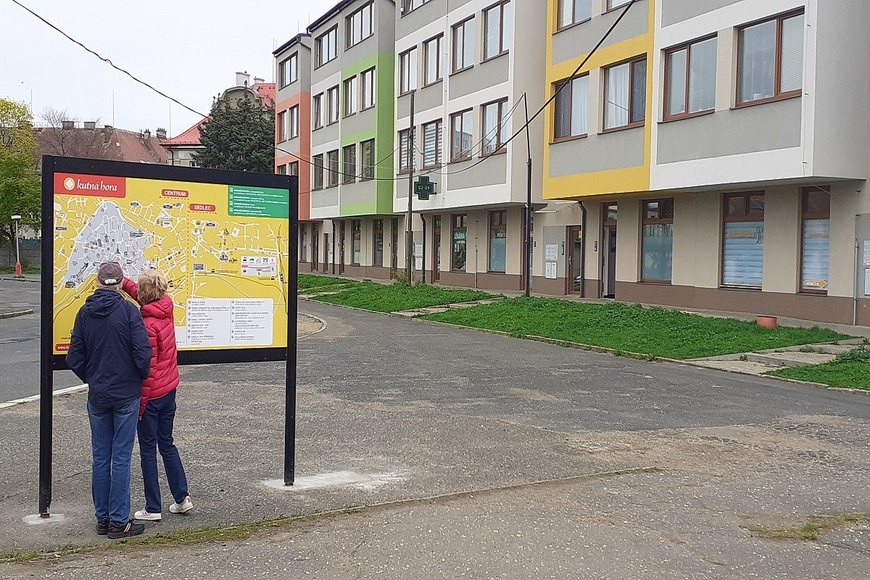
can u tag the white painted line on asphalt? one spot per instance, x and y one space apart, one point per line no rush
337 478
66 391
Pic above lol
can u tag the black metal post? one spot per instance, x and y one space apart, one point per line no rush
423 218
46 351
290 371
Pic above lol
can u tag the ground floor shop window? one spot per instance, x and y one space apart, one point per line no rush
743 239
379 243
497 240
658 240
815 239
460 235
356 241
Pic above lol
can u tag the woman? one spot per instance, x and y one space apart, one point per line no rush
157 405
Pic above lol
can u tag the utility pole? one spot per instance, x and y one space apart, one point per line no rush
528 214
409 234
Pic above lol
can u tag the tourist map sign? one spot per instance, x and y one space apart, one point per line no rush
223 248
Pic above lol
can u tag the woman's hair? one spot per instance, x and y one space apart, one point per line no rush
152 287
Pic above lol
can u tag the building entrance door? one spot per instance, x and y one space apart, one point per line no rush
315 247
609 274
394 246
575 260
341 248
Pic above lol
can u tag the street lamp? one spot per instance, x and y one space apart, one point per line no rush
18 274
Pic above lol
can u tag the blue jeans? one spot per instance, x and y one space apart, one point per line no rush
113 428
155 432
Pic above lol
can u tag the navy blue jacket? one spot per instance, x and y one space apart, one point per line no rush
109 349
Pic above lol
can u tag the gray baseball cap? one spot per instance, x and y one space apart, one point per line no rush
110 274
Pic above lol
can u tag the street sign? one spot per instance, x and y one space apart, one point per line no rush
423 188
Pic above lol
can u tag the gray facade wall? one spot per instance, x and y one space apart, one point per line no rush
581 39
674 11
602 152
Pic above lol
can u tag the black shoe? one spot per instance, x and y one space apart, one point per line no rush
125 530
102 527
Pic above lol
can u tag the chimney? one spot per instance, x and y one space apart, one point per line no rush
161 133
258 80
67 125
90 125
147 134
107 133
242 79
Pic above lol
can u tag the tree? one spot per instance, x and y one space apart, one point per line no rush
238 135
60 136
19 177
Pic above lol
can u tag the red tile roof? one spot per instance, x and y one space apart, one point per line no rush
103 143
189 137
266 92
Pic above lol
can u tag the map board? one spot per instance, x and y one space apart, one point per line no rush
221 239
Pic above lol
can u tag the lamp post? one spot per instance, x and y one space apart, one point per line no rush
18 274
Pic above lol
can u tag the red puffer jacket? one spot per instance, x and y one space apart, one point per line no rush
160 324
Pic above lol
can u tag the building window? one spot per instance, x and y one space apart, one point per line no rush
408 5
368 88
367 153
378 230
332 105
625 94
497 240
498 26
348 153
282 170
574 11
690 79
281 125
356 242
288 70
815 239
463 45
326 46
460 234
405 158
332 167
317 172
350 96
359 25
319 113
572 108
495 132
743 239
658 240
293 168
293 122
408 71
432 60
611 4
460 135
770 59
303 243
432 139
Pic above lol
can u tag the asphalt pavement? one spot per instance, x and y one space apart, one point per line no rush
469 455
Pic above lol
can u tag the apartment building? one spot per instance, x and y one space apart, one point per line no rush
468 66
352 120
719 151
293 143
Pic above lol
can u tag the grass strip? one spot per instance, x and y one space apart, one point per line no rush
849 370
308 282
11 270
654 332
809 531
398 297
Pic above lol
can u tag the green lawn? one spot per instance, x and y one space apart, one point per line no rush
396 297
655 332
308 282
849 370
11 270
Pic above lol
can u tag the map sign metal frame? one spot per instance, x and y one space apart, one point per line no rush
50 361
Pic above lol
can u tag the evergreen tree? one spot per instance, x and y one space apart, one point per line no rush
238 135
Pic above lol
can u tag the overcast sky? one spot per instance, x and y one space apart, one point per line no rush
189 49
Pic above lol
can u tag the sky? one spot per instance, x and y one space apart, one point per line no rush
188 49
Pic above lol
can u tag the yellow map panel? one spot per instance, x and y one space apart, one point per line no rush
223 249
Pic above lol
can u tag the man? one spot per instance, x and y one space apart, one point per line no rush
110 351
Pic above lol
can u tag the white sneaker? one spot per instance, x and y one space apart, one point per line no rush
146 516
183 507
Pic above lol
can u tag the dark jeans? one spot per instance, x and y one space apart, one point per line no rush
155 432
113 427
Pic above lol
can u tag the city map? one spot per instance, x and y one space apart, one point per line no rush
222 248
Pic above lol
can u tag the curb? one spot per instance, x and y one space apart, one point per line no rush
22 279
57 393
16 313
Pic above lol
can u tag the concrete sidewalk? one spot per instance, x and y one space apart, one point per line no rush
526 460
